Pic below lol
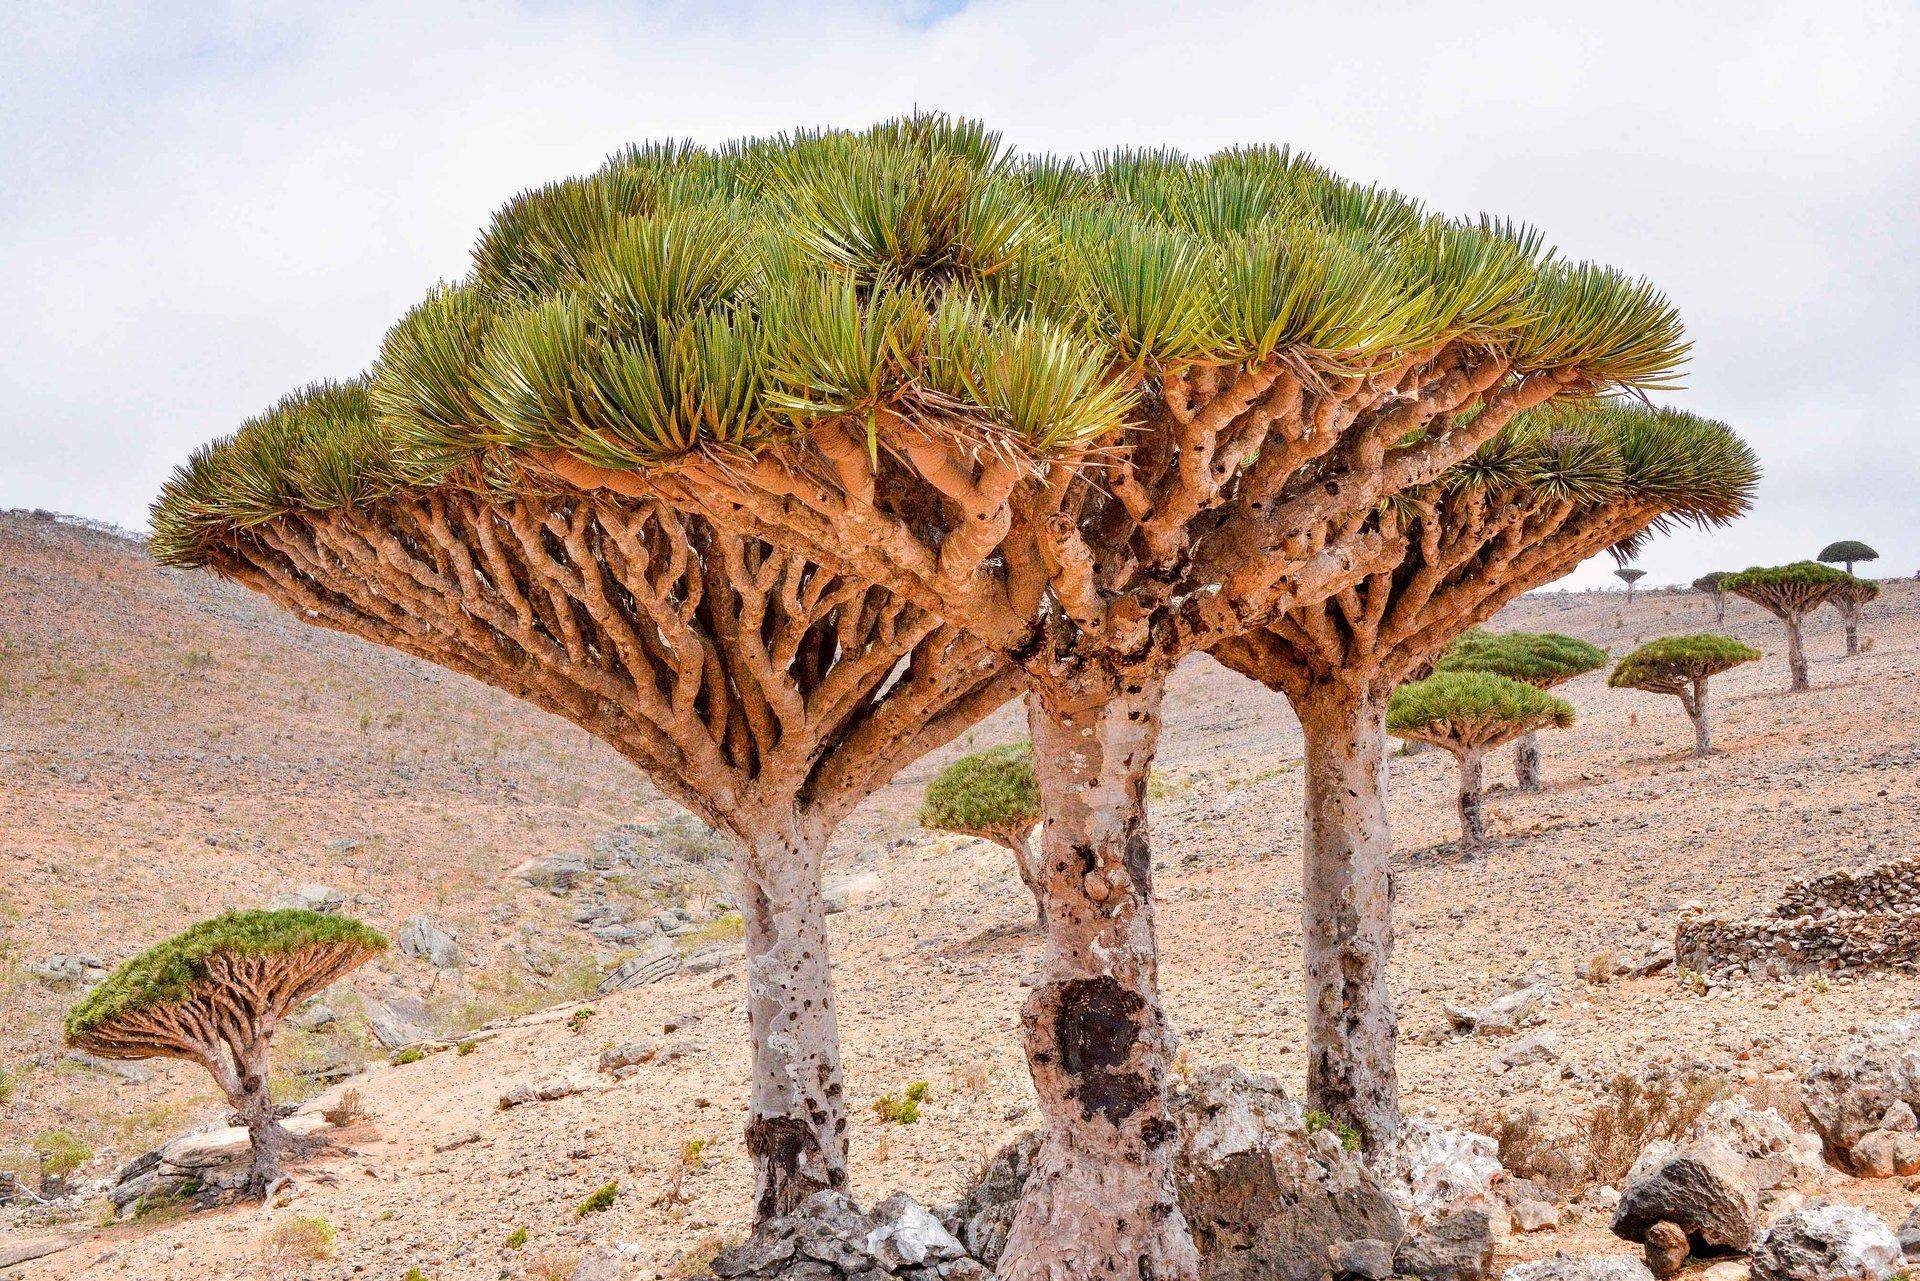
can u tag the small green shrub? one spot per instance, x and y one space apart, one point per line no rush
8 1083
515 1239
412 1054
306 1238
465 1048
1348 1136
602 1199
578 1019
990 794
904 1110
60 1152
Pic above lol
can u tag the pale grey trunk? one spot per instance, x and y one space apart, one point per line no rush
1026 861
1100 1201
1526 763
1796 653
247 1090
1696 705
1719 608
1347 916
1473 819
797 1120
1850 615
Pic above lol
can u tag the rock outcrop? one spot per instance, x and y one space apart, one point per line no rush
1871 1085
1828 1241
828 1238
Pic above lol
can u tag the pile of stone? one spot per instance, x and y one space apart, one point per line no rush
828 1238
1266 1195
1842 923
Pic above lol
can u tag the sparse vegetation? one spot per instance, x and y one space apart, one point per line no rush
1349 1137
1633 1113
409 1054
305 1238
601 1199
903 1109
60 1152
1470 713
515 1239
692 1155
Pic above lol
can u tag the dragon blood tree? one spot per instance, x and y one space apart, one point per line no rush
1553 488
1681 666
1470 713
1849 600
763 692
1540 659
1629 575
1711 585
1847 552
1790 593
213 995
991 795
1096 415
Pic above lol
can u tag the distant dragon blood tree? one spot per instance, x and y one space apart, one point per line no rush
1469 713
1849 599
1790 593
1711 584
992 795
764 693
1096 415
1552 489
1629 576
1540 659
1681 666
213 995
1847 552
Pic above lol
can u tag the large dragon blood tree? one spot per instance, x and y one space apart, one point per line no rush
763 692
1551 489
1790 593
1848 600
213 995
1540 659
1469 714
1098 416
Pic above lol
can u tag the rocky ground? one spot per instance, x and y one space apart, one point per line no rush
170 747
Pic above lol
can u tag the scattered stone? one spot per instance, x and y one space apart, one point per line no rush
421 939
1778 1155
1520 1008
24 1251
1666 1248
313 1016
399 1020
1535 1047
1531 1215
1454 1247
909 1235
1829 1241
131 1073
1590 1267
1705 1188
1450 1172
1882 1154
828 1238
1910 1234
712 957
63 972
555 873
540 1092
1850 1094
311 897
658 961
616 1058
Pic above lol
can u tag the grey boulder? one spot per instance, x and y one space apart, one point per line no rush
1705 1188
1829 1241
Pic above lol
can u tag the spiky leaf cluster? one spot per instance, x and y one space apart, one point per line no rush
1540 659
168 971
1661 666
682 299
1847 551
1472 709
986 792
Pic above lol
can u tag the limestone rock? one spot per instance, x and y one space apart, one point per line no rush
1779 1155
1536 1047
1910 1234
659 960
1850 1094
131 1073
312 897
555 873
540 1092
421 939
1591 1267
616 1058
1453 1247
908 1235
64 972
399 1020
1368 1259
1666 1248
1450 1172
1523 1007
1705 1188
1828 1241
1533 1215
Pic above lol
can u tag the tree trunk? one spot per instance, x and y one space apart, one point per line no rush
1719 609
253 1107
1850 615
1100 1202
1796 654
797 1121
1473 819
1697 709
1526 763
1347 916
1025 861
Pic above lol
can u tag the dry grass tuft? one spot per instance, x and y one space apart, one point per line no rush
1633 1114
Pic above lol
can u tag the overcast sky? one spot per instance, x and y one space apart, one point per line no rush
205 205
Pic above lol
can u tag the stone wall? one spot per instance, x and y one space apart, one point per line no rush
1779 946
1890 887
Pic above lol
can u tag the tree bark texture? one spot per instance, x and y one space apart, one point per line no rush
1473 819
1526 763
1347 915
1696 704
1100 1202
1796 653
797 1120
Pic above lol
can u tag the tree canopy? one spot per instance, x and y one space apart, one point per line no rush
1662 666
1472 709
1629 575
169 971
1540 659
1847 551
1712 583
987 793
1802 584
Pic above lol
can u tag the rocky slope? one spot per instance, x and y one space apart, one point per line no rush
170 746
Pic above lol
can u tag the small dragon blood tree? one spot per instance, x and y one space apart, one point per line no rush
1711 584
1469 713
1098 414
1629 576
1540 659
1848 551
1790 593
991 795
1681 666
213 995
1849 600
1555 487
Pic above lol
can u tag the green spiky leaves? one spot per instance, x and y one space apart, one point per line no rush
1848 551
1540 659
1660 666
988 793
169 971
1464 710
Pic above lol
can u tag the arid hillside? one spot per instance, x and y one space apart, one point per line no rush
171 747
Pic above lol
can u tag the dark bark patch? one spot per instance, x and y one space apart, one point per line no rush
778 1145
1097 1025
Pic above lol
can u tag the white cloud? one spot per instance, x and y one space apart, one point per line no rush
202 212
